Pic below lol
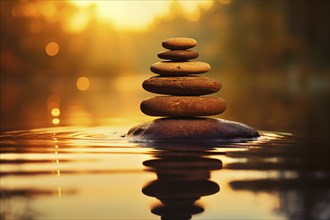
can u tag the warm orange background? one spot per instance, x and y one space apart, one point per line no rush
83 63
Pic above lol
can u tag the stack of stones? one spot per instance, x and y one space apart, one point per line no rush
185 91
183 100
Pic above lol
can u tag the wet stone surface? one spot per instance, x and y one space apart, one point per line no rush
188 85
183 106
191 129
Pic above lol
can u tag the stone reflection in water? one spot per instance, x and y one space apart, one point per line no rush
183 174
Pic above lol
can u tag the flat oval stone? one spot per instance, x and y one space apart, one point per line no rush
204 130
178 55
186 85
183 106
171 68
179 43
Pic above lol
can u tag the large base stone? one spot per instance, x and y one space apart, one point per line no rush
191 130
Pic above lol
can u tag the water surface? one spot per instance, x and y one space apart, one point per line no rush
94 173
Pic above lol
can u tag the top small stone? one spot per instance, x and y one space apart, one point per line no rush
179 43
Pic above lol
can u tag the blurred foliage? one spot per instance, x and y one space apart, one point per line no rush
272 58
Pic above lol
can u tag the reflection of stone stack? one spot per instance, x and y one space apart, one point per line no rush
181 181
184 102
185 89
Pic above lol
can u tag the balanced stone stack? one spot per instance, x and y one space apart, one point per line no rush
185 89
183 100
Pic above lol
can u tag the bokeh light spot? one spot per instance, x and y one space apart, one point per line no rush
56 112
52 49
56 121
83 83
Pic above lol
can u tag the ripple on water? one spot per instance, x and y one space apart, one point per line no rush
92 136
63 157
104 136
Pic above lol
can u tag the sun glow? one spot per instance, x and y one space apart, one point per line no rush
137 15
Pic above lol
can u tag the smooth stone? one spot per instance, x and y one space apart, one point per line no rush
183 106
187 85
171 68
179 43
203 130
178 55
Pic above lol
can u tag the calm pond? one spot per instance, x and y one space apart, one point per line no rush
95 173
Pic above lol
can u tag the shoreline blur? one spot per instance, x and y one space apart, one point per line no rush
272 58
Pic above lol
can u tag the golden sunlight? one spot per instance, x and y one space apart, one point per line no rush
137 15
